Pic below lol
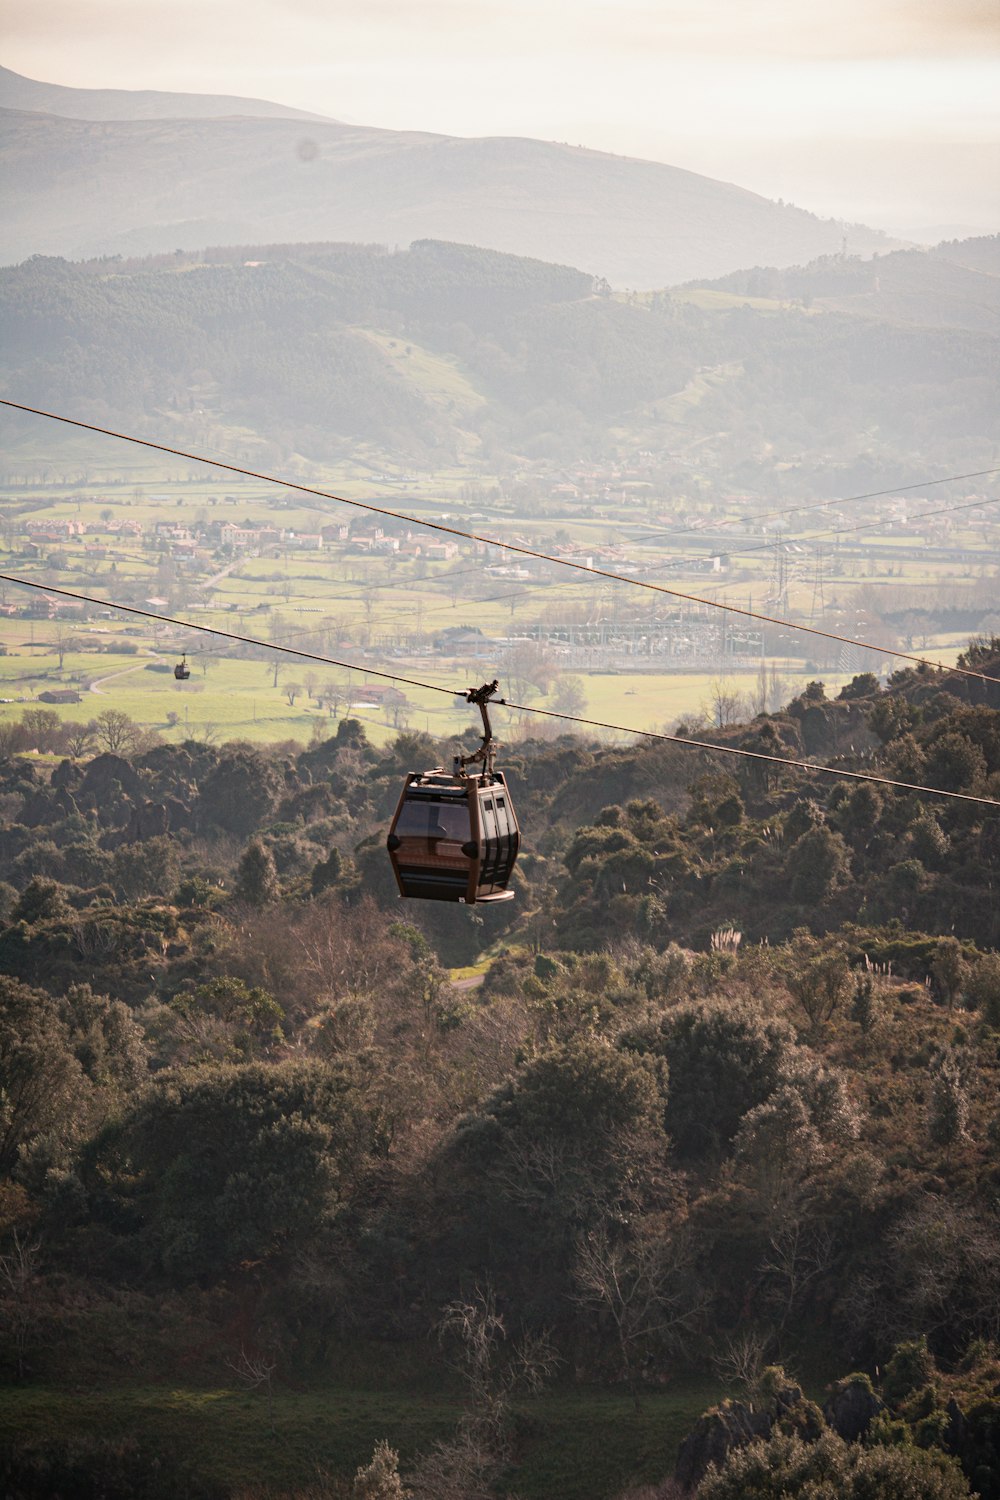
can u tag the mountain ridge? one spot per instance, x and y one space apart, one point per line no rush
37 97
81 188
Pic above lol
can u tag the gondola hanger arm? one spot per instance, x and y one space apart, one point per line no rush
486 754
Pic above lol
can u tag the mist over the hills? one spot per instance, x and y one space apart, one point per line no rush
88 173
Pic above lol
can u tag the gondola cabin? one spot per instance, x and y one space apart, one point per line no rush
454 838
182 671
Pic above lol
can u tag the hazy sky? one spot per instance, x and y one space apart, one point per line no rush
887 110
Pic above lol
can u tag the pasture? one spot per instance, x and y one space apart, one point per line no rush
378 611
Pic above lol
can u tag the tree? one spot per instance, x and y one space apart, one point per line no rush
149 868
864 685
254 1370
949 970
493 1372
955 763
867 1005
942 1270
818 976
106 1039
40 900
327 872
816 863
43 1091
80 738
62 641
529 667
982 988
569 696
18 1282
726 705
777 1143
724 1060
948 1112
239 791
214 1167
331 696
575 1138
116 732
292 691
644 1287
250 1019
257 877
41 729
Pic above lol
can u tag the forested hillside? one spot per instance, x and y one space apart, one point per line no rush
719 1095
954 285
444 350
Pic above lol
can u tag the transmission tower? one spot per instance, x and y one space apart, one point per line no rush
817 608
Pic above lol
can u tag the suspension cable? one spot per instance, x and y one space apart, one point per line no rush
525 708
381 510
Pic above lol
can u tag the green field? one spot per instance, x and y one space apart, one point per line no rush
363 610
570 1444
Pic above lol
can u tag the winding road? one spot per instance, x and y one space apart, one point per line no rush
98 682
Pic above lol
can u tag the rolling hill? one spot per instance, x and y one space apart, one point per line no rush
111 179
953 285
450 353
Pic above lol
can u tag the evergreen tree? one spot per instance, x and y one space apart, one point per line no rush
257 876
948 1116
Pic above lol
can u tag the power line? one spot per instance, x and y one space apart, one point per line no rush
653 734
246 640
902 489
472 536
777 760
811 536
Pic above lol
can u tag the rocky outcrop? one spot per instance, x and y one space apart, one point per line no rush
718 1432
149 821
103 772
852 1408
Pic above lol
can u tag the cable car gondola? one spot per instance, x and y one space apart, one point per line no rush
455 837
182 671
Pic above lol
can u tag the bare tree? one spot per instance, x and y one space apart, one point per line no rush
644 1288
725 704
80 738
61 642
116 732
254 1371
492 1376
464 1468
778 691
797 1253
741 1360
18 1273
331 696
